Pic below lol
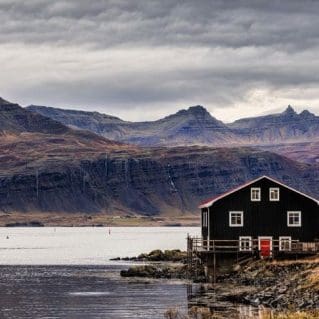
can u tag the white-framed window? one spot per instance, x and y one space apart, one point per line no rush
255 194
236 219
205 218
284 243
294 219
245 243
274 194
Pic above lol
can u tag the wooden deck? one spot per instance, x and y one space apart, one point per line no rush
207 252
199 245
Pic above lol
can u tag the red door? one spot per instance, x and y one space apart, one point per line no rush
265 247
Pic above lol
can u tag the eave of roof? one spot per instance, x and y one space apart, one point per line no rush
211 201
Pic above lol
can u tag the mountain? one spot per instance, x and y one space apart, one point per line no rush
32 145
20 124
14 119
194 126
55 169
277 128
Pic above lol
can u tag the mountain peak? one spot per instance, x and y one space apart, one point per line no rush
306 113
3 102
197 109
289 111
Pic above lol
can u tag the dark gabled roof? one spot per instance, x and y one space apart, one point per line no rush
211 201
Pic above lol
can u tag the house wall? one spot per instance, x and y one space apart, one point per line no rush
264 218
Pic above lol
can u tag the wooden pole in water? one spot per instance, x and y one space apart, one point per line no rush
214 262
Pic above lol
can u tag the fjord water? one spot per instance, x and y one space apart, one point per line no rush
85 245
67 273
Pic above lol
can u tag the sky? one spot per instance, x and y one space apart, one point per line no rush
145 59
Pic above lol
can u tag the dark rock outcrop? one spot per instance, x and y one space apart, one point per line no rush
156 271
174 255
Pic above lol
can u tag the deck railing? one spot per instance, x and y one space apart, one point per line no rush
197 244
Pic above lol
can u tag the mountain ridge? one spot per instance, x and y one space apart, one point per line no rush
195 126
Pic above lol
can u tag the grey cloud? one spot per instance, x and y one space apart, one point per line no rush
134 55
287 24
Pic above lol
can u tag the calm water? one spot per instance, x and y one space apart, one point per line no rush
85 245
66 273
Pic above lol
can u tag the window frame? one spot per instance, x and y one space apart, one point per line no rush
241 218
205 218
294 212
274 199
282 239
242 239
252 189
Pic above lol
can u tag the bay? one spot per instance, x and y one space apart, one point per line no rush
66 272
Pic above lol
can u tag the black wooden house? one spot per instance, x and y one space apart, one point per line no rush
263 218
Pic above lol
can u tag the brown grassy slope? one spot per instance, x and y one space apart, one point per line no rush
23 151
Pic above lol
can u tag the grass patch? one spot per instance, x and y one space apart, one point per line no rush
294 315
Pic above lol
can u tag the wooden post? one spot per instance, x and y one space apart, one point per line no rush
214 267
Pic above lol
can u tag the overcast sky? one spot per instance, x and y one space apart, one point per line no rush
144 59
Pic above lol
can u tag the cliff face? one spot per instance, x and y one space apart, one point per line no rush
148 182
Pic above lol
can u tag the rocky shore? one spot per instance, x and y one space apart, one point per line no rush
278 285
168 264
165 271
174 255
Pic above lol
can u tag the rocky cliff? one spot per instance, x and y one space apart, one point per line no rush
149 182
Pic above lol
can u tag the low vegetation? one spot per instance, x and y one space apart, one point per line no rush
295 315
193 313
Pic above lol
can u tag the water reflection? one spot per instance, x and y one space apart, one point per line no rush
84 292
99 292
92 291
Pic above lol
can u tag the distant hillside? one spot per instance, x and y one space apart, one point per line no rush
278 128
14 119
53 168
194 126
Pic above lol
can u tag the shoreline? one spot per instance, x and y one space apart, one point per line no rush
276 285
94 220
